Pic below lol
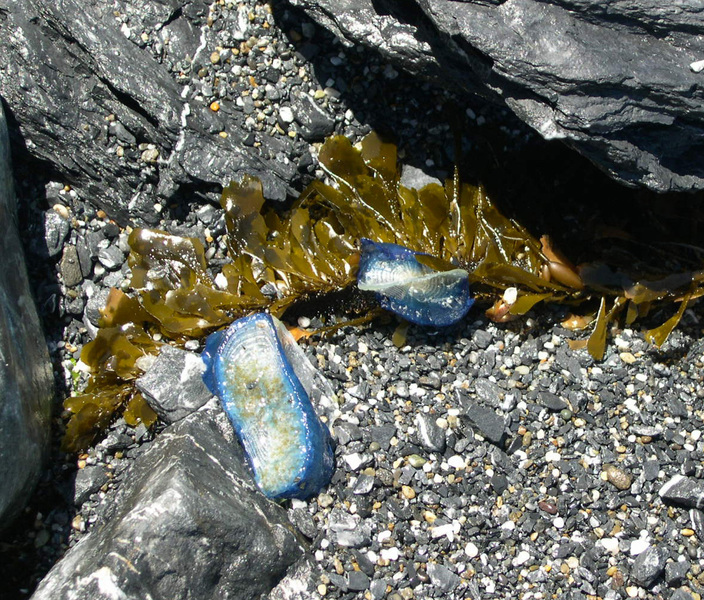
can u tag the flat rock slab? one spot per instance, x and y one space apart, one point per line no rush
621 83
188 522
26 378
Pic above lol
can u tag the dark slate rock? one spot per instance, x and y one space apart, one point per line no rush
26 377
676 572
430 435
615 84
552 401
314 123
686 491
357 581
442 578
382 434
56 230
61 81
648 566
378 589
697 518
188 521
173 385
88 481
681 594
111 257
487 422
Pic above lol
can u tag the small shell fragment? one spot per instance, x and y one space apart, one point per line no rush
413 290
264 381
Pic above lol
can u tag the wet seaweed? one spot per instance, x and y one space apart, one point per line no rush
278 259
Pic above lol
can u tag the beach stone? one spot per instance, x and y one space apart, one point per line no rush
686 491
26 377
616 84
442 578
485 421
173 384
430 435
648 566
187 522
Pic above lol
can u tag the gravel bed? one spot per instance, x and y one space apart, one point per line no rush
481 461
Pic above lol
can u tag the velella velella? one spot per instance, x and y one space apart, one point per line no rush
414 291
264 381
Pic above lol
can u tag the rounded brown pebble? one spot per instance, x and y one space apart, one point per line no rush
618 477
408 492
548 507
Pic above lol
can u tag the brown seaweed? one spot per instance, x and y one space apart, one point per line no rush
278 259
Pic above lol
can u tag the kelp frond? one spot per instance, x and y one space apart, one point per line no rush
277 259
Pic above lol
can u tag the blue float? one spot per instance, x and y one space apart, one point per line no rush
264 381
412 290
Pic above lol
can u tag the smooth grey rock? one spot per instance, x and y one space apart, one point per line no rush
648 566
612 81
442 578
26 378
357 581
68 66
188 522
415 178
686 491
173 385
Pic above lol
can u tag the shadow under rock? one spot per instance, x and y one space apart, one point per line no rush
35 540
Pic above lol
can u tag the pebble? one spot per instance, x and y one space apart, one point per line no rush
618 477
430 435
442 578
648 566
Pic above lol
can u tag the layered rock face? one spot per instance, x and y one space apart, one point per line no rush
26 380
621 82
116 120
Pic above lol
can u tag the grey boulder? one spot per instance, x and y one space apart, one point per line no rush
187 522
26 378
622 82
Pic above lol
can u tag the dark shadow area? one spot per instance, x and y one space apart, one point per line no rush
544 185
26 553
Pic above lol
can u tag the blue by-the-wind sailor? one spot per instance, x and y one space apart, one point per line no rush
264 381
415 291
